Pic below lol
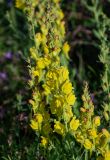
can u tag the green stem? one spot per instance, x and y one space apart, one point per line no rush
86 155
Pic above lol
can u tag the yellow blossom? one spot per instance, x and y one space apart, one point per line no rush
97 121
67 87
35 73
44 141
87 144
59 128
47 89
20 4
74 124
93 133
70 98
68 114
40 63
34 125
46 50
33 53
39 118
79 137
64 74
44 30
47 61
38 38
66 48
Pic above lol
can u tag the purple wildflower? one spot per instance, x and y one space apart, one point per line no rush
3 76
8 55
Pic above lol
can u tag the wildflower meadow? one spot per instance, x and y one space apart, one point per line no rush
54 79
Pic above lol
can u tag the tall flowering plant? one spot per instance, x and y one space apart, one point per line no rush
53 95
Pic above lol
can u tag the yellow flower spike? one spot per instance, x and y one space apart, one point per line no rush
97 121
74 124
44 141
88 144
59 128
70 98
34 125
107 155
67 87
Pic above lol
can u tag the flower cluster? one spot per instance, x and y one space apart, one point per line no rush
88 133
53 93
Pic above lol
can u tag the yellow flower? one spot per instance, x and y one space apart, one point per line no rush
35 73
66 48
79 137
34 106
107 155
34 125
93 133
87 144
47 61
33 53
40 63
74 124
68 114
63 73
70 98
52 75
39 118
46 50
38 38
44 141
44 30
47 89
59 128
20 4
97 121
67 87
